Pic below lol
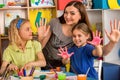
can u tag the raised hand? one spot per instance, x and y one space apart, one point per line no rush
96 39
114 35
43 30
64 53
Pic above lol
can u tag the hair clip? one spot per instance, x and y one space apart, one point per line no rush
19 23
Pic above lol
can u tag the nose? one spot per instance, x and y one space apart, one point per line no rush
68 15
76 38
31 30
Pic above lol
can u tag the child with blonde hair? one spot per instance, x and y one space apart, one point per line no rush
22 51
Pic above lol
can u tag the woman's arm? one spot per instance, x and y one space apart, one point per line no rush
45 39
113 36
44 34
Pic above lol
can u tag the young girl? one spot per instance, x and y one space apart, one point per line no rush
84 53
22 52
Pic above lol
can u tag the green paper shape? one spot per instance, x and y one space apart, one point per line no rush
33 1
38 17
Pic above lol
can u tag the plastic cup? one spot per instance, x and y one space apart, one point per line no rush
63 69
27 78
82 77
61 76
42 77
50 76
58 69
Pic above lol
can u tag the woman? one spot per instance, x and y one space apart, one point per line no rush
59 34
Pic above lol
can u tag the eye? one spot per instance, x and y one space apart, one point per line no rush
27 29
72 13
74 36
79 35
65 12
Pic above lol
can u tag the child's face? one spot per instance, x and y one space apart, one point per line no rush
79 37
72 15
25 31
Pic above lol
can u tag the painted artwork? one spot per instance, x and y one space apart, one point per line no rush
13 2
10 15
42 3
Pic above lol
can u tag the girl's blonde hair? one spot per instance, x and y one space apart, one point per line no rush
13 32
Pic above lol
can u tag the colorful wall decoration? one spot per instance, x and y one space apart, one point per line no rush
106 4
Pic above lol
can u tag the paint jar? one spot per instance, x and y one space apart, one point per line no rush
82 77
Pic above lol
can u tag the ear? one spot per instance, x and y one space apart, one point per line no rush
88 36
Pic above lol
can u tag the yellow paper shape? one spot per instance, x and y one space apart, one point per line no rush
113 4
46 13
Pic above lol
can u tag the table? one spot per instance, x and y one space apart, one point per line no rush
69 76
37 74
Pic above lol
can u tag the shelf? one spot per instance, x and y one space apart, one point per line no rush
13 8
94 9
42 7
3 37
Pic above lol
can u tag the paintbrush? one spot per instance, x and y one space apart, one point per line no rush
5 71
32 71
56 76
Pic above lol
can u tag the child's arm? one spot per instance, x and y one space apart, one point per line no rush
6 65
2 69
96 42
98 51
65 61
113 36
41 62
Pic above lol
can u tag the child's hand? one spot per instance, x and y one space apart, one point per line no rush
13 67
114 35
64 53
20 72
96 39
28 65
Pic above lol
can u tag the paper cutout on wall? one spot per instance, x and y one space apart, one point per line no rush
38 17
113 4
43 13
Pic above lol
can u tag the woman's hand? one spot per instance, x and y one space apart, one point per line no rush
96 39
114 35
64 53
43 30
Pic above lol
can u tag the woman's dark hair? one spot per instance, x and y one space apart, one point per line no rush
82 10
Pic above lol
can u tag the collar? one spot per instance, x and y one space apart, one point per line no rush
28 46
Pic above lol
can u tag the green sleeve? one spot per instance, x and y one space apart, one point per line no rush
6 55
37 46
